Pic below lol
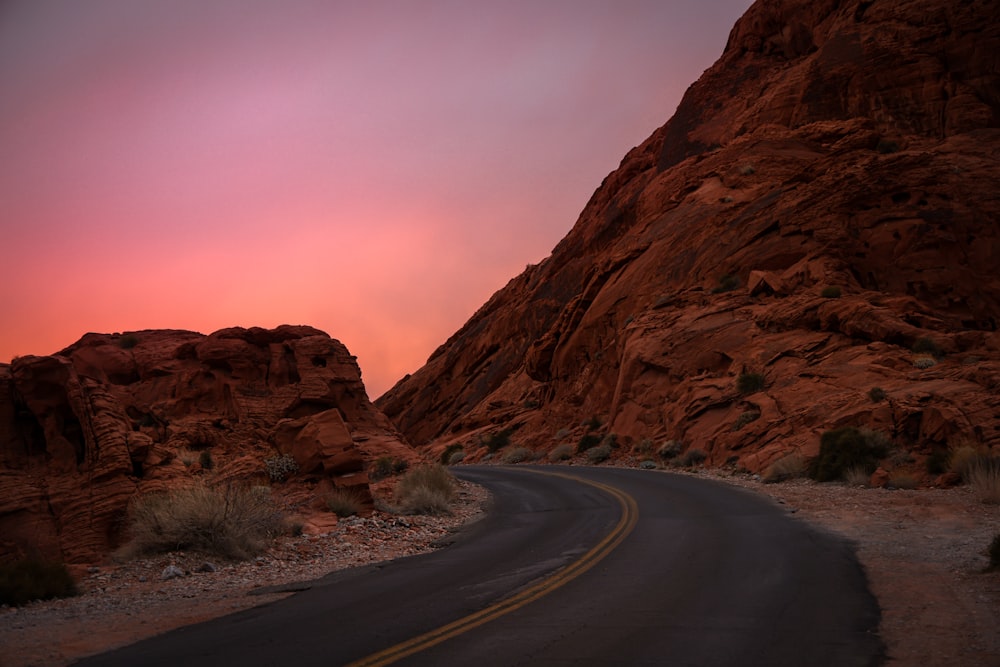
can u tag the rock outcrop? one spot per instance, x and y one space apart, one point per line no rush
112 416
822 211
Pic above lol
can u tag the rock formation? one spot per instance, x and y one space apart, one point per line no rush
112 416
822 211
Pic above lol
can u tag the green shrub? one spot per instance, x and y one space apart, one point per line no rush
598 454
749 383
669 450
279 467
845 448
785 468
830 292
496 441
448 451
692 457
426 490
745 418
877 394
345 501
587 441
994 553
561 453
517 455
727 283
27 580
229 521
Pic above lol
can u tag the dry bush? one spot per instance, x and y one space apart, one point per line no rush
692 457
230 521
857 476
902 480
345 501
28 580
561 453
599 453
426 490
964 455
517 455
984 478
785 468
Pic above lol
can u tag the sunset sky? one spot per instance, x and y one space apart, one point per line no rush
375 169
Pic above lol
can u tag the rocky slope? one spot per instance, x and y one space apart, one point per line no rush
821 210
112 416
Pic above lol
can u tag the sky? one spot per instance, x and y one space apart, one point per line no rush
376 169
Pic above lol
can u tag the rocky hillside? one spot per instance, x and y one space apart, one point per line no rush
112 416
811 241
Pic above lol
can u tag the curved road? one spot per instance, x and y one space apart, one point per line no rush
588 566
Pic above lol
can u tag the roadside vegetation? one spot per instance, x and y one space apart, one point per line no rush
230 521
426 490
31 579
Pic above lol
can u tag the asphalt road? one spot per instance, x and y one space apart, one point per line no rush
601 566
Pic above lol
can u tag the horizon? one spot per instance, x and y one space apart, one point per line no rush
376 171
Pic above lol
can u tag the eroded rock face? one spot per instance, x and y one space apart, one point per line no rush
112 416
822 204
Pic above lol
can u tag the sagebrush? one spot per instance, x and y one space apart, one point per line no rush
231 521
426 490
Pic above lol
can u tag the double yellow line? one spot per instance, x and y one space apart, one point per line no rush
629 516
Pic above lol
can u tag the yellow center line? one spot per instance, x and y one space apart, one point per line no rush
629 517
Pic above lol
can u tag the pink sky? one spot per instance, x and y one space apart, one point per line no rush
374 169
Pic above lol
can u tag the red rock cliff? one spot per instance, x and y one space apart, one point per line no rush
823 202
85 430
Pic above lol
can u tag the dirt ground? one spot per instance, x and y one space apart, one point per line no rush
924 552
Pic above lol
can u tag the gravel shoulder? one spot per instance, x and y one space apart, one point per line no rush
924 552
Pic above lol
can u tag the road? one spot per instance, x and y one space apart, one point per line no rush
592 566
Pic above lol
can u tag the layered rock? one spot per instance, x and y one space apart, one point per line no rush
112 416
822 204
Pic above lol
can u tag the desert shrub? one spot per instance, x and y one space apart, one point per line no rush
26 580
598 454
886 146
593 423
927 346
128 341
587 441
648 464
448 451
644 446
877 394
426 490
381 468
456 457
984 478
399 466
279 467
561 453
205 460
345 501
963 457
230 521
902 480
994 553
857 476
747 170
669 450
745 418
496 441
937 462
785 468
845 448
830 292
727 283
610 440
749 383
924 362
517 455
692 457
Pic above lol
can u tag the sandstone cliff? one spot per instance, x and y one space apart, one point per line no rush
821 210
85 430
